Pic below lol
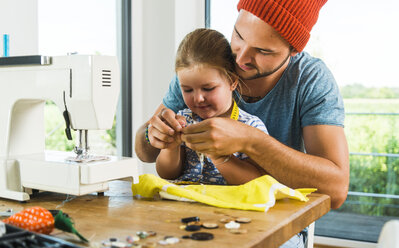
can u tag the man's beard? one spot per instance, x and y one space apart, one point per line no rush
266 73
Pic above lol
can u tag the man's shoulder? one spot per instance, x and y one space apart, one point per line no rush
303 61
307 70
173 98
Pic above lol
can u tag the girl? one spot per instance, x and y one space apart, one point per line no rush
205 68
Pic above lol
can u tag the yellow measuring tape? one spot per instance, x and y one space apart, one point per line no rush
234 112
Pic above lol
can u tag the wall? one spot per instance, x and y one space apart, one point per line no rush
18 18
158 26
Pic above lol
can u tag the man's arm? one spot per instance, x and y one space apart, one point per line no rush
144 151
325 166
160 133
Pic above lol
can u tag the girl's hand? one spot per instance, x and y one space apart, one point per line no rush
177 136
164 127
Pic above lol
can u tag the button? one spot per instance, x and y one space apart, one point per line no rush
132 239
210 225
232 225
190 219
192 228
202 236
172 240
225 220
142 234
198 223
169 240
118 244
243 220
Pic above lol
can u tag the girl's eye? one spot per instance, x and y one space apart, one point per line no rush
188 90
209 89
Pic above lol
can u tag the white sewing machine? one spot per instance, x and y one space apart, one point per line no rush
86 90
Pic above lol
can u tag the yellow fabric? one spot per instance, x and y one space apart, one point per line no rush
259 194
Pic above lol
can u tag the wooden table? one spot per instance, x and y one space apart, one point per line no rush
118 215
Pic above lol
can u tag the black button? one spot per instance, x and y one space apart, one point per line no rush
190 219
192 228
202 236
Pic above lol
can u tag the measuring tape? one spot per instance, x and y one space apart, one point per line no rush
234 112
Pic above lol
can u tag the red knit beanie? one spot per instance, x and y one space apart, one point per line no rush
292 19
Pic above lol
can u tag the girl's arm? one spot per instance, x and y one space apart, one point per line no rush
237 171
169 162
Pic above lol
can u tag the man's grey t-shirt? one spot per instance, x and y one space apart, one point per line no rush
305 95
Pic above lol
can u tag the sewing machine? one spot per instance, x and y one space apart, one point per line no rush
86 90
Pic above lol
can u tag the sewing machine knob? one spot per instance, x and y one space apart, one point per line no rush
68 133
68 123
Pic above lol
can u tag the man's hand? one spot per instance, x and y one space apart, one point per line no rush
164 129
216 136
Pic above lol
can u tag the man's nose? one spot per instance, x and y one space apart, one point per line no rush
243 55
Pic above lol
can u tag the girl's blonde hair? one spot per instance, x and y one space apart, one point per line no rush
206 47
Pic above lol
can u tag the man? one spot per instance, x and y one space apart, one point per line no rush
293 93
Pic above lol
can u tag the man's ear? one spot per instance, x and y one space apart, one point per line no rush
293 52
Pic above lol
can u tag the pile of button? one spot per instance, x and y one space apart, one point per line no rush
131 241
190 224
194 224
233 225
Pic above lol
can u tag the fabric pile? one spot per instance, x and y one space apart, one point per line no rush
259 194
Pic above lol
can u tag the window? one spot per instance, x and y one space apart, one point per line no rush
83 27
357 40
360 52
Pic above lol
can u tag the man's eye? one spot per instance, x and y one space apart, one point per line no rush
238 35
209 89
264 52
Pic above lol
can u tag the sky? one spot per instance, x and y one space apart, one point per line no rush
357 39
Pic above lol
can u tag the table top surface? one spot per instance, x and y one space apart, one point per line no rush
118 215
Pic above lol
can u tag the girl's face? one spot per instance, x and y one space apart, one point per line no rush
206 91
